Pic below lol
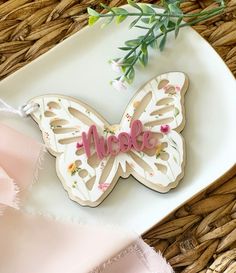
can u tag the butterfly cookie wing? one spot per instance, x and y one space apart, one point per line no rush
159 105
62 120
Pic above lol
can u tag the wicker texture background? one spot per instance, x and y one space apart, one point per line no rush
30 28
201 235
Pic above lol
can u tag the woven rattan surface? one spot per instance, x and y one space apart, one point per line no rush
201 235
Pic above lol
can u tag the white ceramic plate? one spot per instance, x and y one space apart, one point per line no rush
79 67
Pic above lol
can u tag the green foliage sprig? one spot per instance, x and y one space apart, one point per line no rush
157 26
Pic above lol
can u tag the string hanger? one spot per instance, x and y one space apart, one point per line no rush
23 111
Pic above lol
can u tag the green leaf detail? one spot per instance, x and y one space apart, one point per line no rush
177 26
107 22
156 25
163 42
175 159
92 12
174 9
145 20
132 43
144 48
125 48
120 18
147 9
131 75
143 59
120 11
133 4
176 112
93 20
134 22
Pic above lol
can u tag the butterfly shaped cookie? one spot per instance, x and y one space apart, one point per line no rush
92 154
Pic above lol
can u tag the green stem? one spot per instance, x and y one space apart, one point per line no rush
193 22
197 14
144 38
132 64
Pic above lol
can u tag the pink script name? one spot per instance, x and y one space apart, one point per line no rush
124 142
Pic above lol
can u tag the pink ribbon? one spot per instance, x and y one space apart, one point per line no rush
38 244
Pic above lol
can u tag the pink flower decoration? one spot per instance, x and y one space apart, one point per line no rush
177 88
165 129
103 186
79 145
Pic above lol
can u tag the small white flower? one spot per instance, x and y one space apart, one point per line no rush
119 84
116 65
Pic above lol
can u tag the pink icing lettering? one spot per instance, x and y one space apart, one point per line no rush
113 149
124 142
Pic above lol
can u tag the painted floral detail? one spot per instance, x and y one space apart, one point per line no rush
165 129
177 88
74 185
160 149
128 116
46 136
73 169
171 89
79 145
103 186
112 129
176 112
102 165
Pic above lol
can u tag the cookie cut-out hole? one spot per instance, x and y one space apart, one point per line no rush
142 106
150 152
163 110
58 122
80 116
164 156
170 90
140 162
159 122
69 140
93 161
162 83
49 114
78 163
90 183
54 105
164 101
162 168
164 145
63 130
83 173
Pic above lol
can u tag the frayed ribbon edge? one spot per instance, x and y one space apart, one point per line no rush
15 202
147 255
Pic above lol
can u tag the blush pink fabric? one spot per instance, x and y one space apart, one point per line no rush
31 243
